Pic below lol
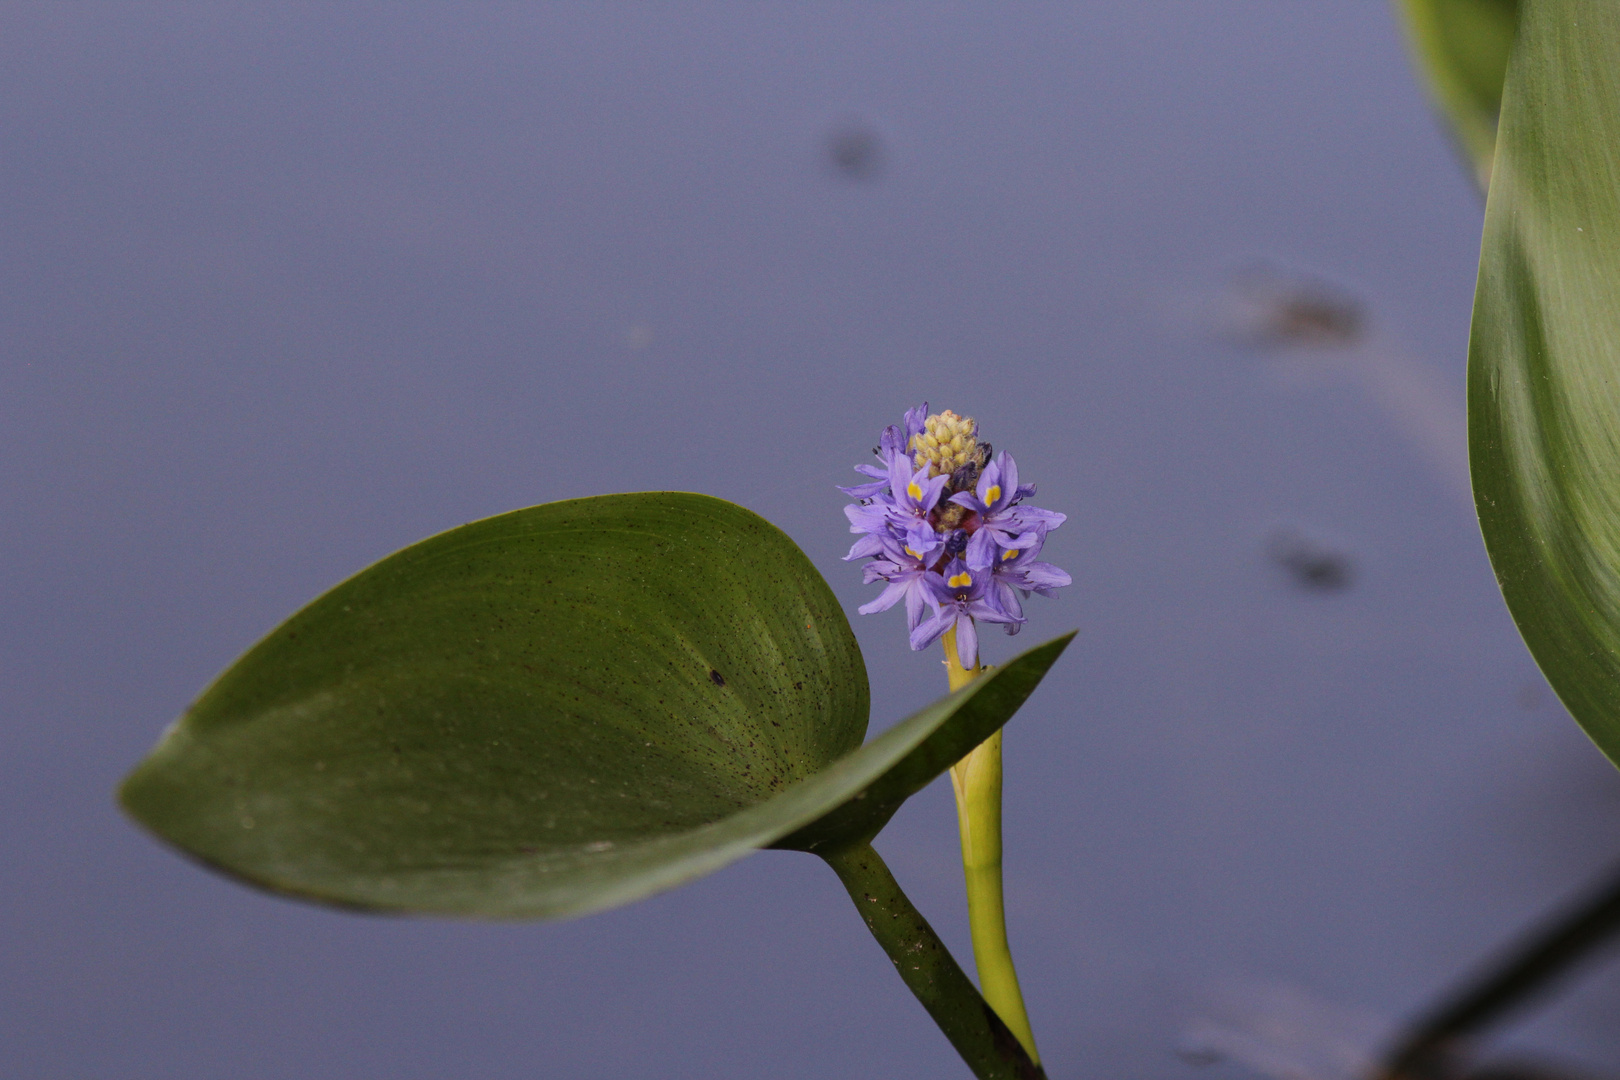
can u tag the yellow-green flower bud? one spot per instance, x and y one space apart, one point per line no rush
946 443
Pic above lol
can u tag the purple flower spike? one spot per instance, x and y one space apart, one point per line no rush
946 530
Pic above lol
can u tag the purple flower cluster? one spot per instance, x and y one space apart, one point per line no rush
946 529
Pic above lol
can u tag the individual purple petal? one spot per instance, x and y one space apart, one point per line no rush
1043 577
864 548
921 541
988 610
927 632
1024 547
892 445
864 491
879 570
867 518
886 599
916 422
967 643
1007 600
1025 518
1008 470
982 550
989 491
917 597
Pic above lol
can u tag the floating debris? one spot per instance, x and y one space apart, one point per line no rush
1277 309
855 151
1311 563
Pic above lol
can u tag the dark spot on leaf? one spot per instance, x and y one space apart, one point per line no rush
716 678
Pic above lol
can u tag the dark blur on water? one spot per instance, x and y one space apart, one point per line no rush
286 287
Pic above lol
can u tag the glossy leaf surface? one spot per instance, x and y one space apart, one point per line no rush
539 714
1544 356
1461 47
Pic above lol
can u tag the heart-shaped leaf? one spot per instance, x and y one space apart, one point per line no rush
1544 356
550 712
1462 47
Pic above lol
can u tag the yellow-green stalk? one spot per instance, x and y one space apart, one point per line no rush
977 782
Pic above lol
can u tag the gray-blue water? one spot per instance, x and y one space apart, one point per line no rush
286 287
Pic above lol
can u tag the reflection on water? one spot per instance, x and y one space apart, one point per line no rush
1315 330
1284 1032
1287 1033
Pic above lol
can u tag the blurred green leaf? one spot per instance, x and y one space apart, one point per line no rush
547 713
1462 48
1544 356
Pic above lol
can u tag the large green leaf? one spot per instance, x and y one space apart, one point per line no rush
1544 357
1462 47
550 712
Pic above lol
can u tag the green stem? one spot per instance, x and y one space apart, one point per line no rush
928 969
976 779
